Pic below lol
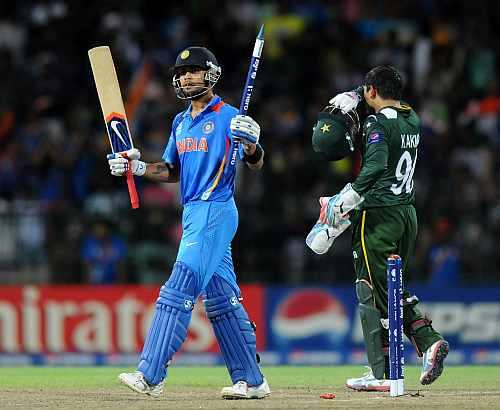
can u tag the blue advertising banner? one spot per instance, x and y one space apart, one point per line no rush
317 325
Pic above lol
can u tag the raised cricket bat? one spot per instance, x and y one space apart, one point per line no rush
115 118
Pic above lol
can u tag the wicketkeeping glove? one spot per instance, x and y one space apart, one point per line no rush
346 102
322 235
245 128
120 162
340 205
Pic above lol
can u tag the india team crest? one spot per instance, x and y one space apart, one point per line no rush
208 127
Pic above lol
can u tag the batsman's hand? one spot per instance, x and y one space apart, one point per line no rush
245 129
121 162
346 102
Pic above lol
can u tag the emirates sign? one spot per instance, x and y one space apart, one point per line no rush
94 319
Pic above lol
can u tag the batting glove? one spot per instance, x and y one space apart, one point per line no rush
121 162
245 128
346 102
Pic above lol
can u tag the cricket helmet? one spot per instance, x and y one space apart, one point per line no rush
335 133
196 57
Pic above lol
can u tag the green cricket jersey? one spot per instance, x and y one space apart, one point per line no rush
389 155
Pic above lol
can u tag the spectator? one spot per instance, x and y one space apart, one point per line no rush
103 254
52 140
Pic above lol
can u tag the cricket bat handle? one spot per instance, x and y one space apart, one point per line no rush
132 191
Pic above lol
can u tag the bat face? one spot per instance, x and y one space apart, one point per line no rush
110 98
108 90
119 136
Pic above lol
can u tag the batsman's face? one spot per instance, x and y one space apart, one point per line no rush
191 78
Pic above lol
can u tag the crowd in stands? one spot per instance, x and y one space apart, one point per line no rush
65 219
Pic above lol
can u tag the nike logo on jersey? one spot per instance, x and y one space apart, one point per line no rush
192 144
191 243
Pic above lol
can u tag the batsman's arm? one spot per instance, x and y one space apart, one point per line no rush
254 156
162 172
122 162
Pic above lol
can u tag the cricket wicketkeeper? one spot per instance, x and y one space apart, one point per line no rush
380 206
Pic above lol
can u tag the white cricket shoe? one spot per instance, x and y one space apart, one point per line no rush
368 382
432 361
138 383
242 390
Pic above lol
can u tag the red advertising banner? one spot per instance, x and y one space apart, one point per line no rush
99 319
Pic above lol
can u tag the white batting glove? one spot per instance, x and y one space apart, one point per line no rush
346 102
245 128
120 162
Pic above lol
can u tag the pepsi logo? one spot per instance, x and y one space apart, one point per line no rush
308 313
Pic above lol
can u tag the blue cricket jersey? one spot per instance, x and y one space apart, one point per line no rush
205 152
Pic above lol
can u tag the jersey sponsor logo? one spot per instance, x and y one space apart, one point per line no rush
375 137
190 144
208 127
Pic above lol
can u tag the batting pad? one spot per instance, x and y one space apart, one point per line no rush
234 331
170 323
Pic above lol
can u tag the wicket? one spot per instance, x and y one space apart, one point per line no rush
395 313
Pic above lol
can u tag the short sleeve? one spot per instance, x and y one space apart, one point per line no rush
171 155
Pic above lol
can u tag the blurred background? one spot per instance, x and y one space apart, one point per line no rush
65 220
57 197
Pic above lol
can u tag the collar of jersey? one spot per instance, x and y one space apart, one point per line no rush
215 100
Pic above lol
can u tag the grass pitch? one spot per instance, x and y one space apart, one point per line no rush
293 387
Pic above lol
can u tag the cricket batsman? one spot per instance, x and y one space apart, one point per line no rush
380 206
205 143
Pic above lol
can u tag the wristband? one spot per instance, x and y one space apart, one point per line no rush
256 156
140 169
